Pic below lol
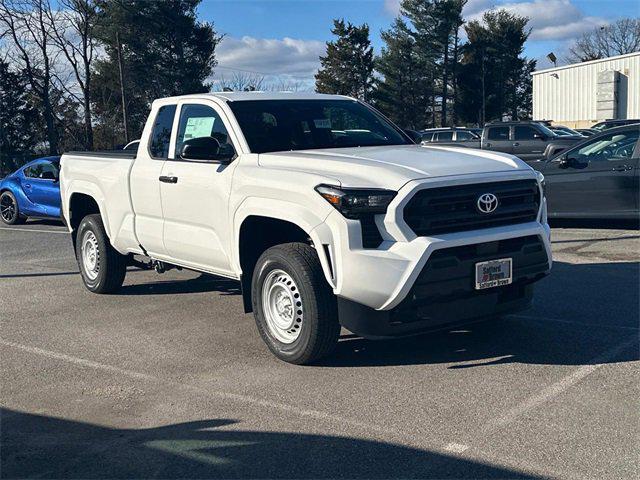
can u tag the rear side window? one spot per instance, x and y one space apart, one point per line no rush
498 133
444 137
462 136
161 133
523 132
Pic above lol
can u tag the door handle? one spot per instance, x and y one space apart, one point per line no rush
27 185
165 179
621 168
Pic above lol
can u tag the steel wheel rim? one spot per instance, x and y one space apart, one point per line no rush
7 208
90 255
282 306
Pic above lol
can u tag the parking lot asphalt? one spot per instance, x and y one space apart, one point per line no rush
168 378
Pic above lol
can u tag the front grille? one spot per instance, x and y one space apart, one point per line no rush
440 210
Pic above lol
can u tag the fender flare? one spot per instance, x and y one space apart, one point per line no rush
285 211
91 190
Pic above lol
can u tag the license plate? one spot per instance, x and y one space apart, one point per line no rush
493 273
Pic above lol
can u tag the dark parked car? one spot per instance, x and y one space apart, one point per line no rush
455 136
564 131
31 191
586 132
601 126
597 178
527 140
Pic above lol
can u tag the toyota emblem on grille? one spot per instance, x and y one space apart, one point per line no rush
487 203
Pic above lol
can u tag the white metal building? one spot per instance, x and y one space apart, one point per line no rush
582 94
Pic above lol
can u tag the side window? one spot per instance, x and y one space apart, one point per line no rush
498 133
427 137
616 146
197 121
49 171
161 133
33 171
462 136
444 137
524 132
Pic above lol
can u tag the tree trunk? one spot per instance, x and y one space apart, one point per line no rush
52 134
454 74
445 83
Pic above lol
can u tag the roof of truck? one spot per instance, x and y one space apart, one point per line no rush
243 96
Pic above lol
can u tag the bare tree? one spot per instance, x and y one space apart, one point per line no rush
240 81
72 31
25 25
618 38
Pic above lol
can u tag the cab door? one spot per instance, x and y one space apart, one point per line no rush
195 193
528 143
145 186
42 188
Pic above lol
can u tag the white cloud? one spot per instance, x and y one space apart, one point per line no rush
288 58
550 19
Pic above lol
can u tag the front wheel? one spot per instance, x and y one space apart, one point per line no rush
294 308
102 268
9 210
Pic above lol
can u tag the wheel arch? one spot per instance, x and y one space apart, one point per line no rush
80 205
258 232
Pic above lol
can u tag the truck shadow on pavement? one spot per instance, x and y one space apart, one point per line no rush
48 447
580 312
200 284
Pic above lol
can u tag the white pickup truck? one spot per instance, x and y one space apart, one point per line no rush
326 213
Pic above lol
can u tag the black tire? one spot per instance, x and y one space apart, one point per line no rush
11 216
111 265
320 329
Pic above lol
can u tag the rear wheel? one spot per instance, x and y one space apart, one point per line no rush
102 268
294 308
9 210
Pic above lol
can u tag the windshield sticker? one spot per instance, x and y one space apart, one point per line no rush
198 127
322 123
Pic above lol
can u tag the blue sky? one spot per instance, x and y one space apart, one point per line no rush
283 38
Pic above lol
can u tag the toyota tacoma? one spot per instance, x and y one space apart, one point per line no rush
326 213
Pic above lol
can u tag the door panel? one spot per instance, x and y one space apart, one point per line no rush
599 179
497 139
196 224
525 145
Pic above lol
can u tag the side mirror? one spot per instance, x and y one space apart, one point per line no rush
207 149
413 135
539 136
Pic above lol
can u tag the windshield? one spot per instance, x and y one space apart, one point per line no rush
547 131
282 125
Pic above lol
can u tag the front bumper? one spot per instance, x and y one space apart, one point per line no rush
444 292
382 278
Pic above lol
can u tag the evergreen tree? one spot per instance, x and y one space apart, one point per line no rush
166 51
494 77
18 118
347 68
431 27
403 91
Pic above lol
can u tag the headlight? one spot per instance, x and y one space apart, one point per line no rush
356 202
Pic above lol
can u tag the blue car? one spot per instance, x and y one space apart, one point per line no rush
31 191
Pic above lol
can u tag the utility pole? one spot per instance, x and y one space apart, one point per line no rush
482 118
122 89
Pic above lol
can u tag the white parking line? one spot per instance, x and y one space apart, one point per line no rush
316 414
34 230
559 387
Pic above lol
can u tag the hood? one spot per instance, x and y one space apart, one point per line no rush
391 166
